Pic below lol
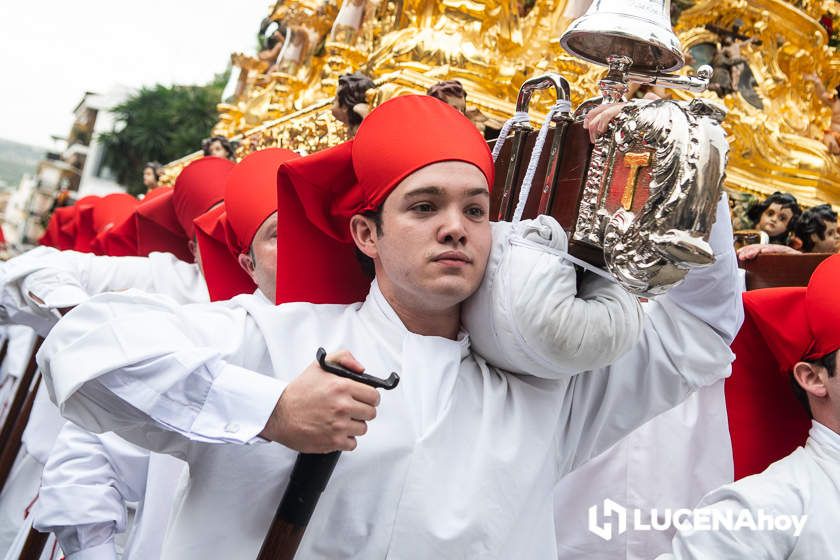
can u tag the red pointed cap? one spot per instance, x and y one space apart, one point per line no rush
200 185
54 236
782 326
121 240
318 194
109 211
82 224
158 229
251 194
228 230
822 307
225 278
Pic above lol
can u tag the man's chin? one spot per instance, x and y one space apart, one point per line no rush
454 288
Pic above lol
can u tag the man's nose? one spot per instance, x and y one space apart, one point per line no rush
453 228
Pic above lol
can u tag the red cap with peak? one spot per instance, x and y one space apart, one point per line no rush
54 236
782 326
228 230
318 194
109 211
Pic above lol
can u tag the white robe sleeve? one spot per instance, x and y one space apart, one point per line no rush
677 354
684 345
42 281
160 374
713 293
86 483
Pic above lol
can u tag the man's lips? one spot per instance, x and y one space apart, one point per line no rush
452 258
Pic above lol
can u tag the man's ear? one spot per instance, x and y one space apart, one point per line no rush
363 231
796 243
809 378
247 264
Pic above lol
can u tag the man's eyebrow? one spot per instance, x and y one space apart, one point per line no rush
434 191
478 191
437 191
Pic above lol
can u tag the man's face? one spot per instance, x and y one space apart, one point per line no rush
831 243
775 219
262 268
149 179
217 150
435 237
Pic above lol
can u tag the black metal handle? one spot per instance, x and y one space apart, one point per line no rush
374 382
312 471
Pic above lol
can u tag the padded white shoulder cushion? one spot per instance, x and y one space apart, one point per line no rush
529 317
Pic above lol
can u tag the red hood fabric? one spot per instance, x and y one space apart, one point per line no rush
228 230
225 278
82 235
200 186
318 194
54 236
158 228
782 326
109 211
121 240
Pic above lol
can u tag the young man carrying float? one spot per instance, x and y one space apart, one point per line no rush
462 457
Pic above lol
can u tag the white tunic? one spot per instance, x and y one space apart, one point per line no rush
806 482
459 463
37 284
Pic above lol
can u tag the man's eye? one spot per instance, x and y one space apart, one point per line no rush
423 207
476 212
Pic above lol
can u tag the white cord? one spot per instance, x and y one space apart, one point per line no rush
517 118
563 255
559 107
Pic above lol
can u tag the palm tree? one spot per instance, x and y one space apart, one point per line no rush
159 124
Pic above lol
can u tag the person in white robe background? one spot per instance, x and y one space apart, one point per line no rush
463 456
800 325
41 285
82 459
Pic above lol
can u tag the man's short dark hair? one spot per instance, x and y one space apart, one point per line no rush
829 362
813 222
365 261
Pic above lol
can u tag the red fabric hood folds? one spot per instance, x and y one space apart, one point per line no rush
54 236
121 240
318 194
109 211
782 326
228 230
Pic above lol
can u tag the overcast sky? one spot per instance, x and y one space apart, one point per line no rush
52 51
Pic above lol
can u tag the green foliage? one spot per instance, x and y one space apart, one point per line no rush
159 124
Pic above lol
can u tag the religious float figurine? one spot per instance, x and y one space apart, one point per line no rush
350 105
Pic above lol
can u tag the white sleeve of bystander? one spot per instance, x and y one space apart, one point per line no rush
87 480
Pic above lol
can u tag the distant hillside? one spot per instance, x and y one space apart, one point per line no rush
17 159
